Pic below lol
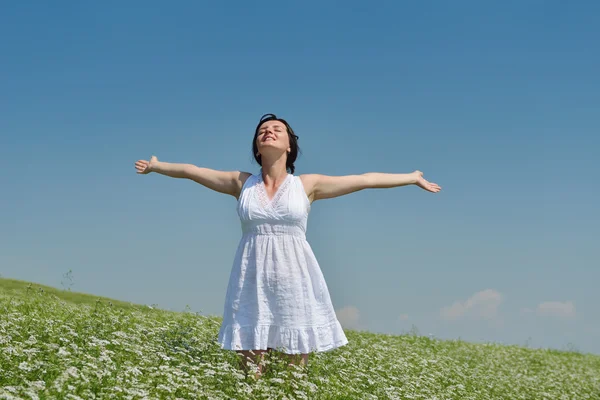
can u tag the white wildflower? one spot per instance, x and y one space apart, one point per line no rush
31 340
166 388
63 353
135 371
72 371
300 395
24 366
32 395
37 385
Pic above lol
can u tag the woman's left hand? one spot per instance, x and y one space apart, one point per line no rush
425 184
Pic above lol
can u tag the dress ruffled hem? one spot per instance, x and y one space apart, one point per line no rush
288 340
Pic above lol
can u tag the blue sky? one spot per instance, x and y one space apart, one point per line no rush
497 103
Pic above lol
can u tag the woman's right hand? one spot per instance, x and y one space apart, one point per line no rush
145 167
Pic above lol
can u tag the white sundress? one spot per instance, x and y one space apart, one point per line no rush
277 296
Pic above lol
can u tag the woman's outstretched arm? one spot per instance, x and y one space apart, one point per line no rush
228 182
319 187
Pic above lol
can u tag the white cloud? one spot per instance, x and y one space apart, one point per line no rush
349 317
552 309
483 304
556 309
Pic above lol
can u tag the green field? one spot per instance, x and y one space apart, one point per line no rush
57 344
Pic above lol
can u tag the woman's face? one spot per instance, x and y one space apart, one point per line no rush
272 137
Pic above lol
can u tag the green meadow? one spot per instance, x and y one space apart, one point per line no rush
59 344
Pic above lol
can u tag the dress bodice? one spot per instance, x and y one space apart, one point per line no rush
286 213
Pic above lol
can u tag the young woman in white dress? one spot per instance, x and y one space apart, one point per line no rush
277 297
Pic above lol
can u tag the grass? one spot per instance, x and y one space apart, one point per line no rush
58 344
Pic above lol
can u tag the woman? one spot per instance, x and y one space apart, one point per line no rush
277 297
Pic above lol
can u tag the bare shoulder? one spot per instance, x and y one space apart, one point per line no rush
240 178
309 181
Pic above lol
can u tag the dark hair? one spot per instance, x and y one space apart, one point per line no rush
294 149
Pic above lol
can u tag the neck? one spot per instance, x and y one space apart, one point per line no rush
274 170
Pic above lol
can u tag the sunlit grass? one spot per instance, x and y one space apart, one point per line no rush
59 344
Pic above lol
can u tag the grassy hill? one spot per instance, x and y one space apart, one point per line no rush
57 344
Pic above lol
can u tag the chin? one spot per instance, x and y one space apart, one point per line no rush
269 146
272 150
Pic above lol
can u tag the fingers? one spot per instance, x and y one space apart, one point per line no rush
141 166
429 186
